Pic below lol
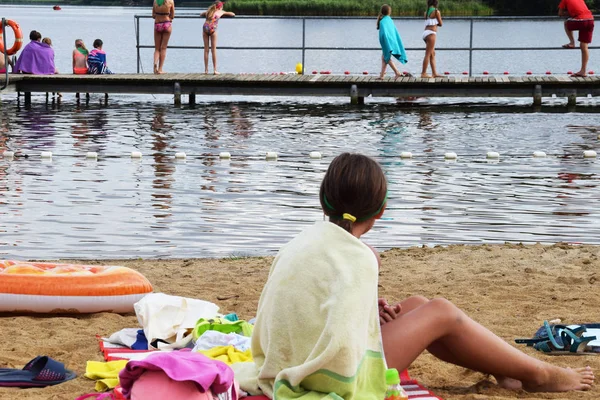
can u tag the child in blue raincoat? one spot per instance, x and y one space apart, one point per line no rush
391 43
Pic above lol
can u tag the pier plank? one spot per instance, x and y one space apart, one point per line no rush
306 85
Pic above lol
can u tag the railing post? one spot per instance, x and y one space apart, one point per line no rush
137 41
303 42
5 54
471 50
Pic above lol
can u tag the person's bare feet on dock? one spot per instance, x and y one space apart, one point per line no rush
156 69
580 74
217 73
425 76
557 379
438 76
160 72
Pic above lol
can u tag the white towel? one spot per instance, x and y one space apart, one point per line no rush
171 318
317 331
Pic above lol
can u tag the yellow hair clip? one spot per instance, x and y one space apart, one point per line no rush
349 217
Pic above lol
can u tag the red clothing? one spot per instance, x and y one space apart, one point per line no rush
577 9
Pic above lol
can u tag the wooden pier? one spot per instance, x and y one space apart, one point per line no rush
354 87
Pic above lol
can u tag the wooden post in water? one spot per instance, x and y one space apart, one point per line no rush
27 99
192 99
354 95
537 95
177 94
572 98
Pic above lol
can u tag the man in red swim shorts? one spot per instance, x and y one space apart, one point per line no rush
582 20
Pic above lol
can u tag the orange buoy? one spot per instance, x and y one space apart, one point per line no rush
505 72
529 73
365 72
486 73
315 72
446 73
548 72
69 288
18 38
591 72
346 72
569 72
56 8
465 73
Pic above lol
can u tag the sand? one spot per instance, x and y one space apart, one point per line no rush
510 289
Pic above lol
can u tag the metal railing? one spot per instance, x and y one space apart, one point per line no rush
5 55
304 48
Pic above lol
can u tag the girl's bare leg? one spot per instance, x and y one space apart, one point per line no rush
430 44
393 66
206 50
163 48
432 60
213 49
383 68
466 343
438 350
157 39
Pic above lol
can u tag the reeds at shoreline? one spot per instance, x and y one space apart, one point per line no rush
353 7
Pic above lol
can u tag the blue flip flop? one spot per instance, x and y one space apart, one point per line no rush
40 372
565 339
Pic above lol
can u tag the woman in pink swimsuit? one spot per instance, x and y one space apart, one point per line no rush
163 12
209 32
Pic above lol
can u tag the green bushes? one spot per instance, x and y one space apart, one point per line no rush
352 7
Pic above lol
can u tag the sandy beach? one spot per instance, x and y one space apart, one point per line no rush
510 289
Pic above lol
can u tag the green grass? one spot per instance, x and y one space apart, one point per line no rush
352 7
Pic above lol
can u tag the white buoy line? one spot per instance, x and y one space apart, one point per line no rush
313 155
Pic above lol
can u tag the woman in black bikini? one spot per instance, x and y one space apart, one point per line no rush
163 12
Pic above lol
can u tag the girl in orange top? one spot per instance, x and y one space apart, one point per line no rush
80 54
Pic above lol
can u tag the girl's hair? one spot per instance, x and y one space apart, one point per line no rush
98 43
213 9
432 3
354 187
385 10
47 40
78 42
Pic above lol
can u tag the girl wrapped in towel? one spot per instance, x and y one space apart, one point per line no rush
391 43
322 333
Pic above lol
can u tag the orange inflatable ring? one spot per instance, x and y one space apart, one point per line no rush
18 38
31 287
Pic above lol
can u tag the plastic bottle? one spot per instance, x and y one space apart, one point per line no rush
394 390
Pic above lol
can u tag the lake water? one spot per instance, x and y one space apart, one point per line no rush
116 207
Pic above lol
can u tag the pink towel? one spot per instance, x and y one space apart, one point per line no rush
206 374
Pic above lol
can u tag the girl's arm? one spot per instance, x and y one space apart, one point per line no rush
172 11
73 57
203 14
439 17
228 14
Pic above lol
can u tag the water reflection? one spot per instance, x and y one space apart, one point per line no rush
163 164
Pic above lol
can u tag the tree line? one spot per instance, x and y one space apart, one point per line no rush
497 7
531 7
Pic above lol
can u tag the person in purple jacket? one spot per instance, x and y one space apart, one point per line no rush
36 58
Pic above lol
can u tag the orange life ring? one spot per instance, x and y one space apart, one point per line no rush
18 38
60 288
